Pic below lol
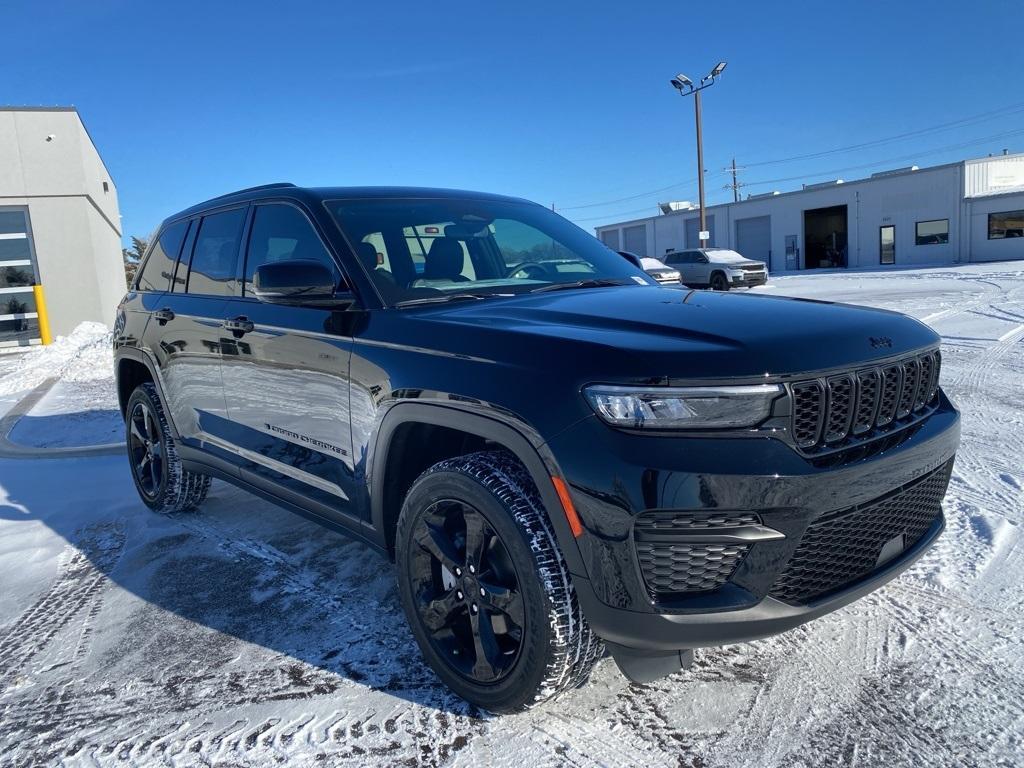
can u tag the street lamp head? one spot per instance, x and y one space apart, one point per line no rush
681 82
719 68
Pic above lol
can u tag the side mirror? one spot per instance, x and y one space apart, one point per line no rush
298 282
632 258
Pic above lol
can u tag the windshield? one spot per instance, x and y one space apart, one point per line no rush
723 255
425 248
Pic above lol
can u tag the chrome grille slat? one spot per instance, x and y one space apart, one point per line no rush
847 408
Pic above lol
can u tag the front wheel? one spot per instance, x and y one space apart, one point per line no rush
718 282
485 587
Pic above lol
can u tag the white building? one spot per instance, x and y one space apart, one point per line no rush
59 226
972 210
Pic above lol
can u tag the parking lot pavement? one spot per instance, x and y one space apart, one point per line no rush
244 635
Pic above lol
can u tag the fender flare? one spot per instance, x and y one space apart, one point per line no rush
534 455
142 356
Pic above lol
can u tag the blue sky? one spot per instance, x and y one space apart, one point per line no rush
565 103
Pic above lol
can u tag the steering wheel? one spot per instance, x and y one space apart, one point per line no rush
538 270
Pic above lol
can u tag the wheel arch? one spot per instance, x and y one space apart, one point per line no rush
133 367
389 448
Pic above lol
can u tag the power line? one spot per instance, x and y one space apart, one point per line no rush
981 117
1002 112
611 217
910 156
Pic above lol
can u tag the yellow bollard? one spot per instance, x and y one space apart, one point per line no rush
44 320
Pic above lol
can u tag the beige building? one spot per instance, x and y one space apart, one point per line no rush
59 226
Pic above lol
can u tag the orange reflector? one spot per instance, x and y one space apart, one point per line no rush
570 511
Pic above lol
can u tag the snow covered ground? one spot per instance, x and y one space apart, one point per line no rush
244 635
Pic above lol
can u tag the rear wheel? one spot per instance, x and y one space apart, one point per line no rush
718 282
156 469
485 588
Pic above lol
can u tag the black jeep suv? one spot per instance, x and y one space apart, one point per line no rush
560 455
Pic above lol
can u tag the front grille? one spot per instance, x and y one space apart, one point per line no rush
844 547
833 412
671 566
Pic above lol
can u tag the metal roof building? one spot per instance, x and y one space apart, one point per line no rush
972 210
59 227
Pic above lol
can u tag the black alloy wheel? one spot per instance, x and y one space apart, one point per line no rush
146 450
718 282
467 591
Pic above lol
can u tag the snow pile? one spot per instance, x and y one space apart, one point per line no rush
84 355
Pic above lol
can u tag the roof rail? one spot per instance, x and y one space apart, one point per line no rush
278 185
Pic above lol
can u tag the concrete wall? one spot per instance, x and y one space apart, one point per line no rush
49 164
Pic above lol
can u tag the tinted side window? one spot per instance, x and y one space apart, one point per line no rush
282 233
156 275
215 254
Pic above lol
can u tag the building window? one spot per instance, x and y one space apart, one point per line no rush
933 232
1005 224
19 323
887 244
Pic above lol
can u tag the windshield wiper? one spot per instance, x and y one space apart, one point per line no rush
441 299
600 282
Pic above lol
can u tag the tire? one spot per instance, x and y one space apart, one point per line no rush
543 643
718 282
160 480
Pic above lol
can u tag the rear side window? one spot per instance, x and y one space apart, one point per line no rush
156 274
215 254
282 233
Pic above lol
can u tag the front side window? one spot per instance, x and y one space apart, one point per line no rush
158 270
423 248
215 254
932 232
282 232
1005 224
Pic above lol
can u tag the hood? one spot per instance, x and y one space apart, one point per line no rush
678 334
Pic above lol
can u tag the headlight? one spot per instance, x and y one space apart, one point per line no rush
682 407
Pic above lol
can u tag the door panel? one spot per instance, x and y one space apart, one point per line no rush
186 343
288 399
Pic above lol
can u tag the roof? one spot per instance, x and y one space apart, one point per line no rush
311 195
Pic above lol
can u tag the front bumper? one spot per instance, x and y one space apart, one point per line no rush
630 474
748 279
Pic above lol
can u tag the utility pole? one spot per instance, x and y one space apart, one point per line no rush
735 184
685 86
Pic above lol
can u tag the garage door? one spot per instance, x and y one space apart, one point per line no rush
635 239
610 237
693 230
754 238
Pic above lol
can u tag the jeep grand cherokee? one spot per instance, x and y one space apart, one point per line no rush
560 455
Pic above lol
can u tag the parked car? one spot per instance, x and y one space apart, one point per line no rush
559 455
656 269
717 268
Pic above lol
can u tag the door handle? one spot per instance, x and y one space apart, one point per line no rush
164 316
239 326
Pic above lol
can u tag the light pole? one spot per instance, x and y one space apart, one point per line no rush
685 86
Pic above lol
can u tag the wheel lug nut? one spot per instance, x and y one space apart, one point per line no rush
459 595
472 569
475 609
458 571
483 592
